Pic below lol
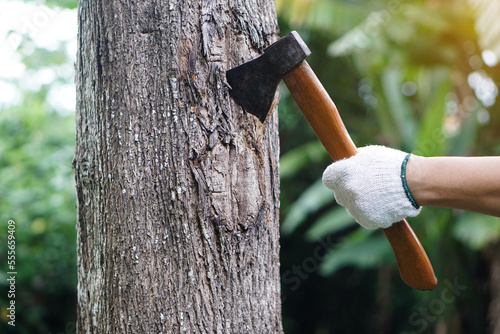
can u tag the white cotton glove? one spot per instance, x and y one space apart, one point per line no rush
370 186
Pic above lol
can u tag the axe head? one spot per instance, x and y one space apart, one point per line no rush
253 84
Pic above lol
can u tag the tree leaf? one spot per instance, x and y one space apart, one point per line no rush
295 159
398 106
333 221
314 198
359 249
477 230
487 24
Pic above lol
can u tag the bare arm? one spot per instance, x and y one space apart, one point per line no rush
466 183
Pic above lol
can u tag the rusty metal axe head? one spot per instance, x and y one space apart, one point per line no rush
254 83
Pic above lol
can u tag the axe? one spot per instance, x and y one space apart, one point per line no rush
253 86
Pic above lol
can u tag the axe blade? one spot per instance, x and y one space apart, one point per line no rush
253 84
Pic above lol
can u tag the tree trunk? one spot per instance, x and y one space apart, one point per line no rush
177 187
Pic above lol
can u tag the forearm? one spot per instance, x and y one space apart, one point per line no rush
465 183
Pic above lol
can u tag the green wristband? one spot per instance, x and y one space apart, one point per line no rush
405 184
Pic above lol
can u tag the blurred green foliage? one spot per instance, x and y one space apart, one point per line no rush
37 192
402 75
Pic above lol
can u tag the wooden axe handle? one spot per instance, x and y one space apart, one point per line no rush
321 113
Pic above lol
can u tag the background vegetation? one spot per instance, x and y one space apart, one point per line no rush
413 75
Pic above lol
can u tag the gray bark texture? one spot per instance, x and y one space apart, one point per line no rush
177 187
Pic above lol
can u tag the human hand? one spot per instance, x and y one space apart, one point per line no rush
371 185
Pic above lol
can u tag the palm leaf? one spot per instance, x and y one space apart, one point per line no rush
487 24
314 198
333 221
477 230
360 249
334 17
301 156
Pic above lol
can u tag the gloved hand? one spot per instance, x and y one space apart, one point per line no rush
370 185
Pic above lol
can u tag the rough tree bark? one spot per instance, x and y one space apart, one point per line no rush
177 187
